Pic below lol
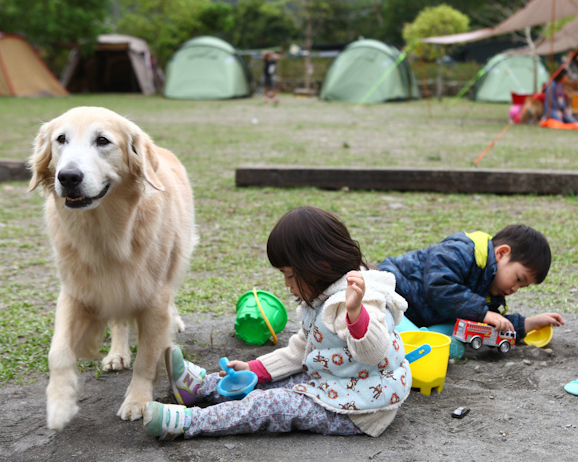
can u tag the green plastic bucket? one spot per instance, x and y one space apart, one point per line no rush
251 326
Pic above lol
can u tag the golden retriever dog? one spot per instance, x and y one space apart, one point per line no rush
533 108
120 217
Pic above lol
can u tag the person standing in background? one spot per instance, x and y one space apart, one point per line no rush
269 67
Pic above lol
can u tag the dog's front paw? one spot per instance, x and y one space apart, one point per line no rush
59 414
131 410
61 404
115 362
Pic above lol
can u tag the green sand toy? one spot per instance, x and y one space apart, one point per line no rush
260 315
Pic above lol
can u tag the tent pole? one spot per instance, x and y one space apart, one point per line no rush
439 79
551 54
425 89
532 46
279 71
553 28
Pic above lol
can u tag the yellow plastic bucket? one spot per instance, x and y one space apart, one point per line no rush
430 371
539 337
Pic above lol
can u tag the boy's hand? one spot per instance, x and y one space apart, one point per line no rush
542 320
501 323
354 294
237 365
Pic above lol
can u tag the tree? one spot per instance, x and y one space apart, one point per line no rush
492 12
310 15
350 20
397 13
57 25
496 11
263 24
165 24
217 18
430 22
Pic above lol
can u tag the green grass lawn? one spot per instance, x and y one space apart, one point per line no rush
213 138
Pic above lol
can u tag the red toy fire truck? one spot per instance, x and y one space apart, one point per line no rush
479 333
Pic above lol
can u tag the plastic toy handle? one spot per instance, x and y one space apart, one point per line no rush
223 365
265 317
418 353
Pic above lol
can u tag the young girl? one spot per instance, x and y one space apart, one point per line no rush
343 373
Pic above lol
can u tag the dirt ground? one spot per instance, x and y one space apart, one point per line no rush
519 411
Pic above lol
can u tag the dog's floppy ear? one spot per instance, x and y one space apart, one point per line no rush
142 160
41 157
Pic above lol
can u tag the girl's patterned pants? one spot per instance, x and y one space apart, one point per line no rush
272 406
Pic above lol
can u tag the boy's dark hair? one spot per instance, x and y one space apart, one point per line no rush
528 247
317 246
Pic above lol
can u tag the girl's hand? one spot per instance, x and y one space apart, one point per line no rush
354 294
237 365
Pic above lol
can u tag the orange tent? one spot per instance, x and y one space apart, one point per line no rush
22 71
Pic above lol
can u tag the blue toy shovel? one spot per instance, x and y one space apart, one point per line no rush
236 384
457 348
418 353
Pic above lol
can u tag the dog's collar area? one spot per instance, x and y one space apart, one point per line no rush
80 202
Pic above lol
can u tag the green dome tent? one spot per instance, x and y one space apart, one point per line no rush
207 68
369 71
505 74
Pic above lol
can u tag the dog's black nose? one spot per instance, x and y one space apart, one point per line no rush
70 178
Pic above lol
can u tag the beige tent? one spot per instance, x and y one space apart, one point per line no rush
120 64
535 12
22 71
563 40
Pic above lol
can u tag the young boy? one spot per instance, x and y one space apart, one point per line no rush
469 275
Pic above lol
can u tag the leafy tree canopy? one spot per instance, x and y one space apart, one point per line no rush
482 13
262 24
433 21
164 24
55 23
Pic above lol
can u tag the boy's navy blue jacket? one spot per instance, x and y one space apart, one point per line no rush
449 280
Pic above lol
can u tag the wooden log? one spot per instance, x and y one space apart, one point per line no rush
305 92
13 170
473 180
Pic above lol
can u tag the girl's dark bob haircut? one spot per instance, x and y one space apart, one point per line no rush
528 247
318 248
